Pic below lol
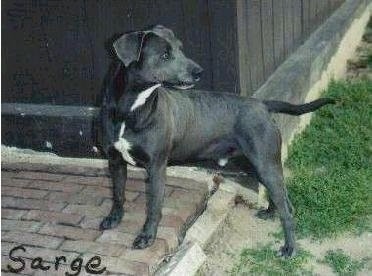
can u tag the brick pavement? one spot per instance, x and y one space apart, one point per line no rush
54 214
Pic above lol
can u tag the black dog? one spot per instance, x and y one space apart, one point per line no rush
151 124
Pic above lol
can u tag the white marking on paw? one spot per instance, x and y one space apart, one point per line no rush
222 162
123 146
81 133
142 97
48 145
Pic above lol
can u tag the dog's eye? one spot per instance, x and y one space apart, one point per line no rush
165 56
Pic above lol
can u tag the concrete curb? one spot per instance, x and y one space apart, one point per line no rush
202 231
185 262
205 230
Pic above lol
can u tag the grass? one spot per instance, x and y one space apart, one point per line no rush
369 60
368 33
331 164
264 261
342 264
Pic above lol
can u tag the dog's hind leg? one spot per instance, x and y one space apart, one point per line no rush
264 154
118 171
273 180
155 187
268 213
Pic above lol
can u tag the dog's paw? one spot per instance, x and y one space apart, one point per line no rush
143 240
111 221
265 214
287 251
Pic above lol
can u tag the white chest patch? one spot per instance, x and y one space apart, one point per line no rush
142 97
222 162
123 146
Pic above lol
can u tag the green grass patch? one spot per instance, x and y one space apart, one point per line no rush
264 261
331 164
369 60
342 264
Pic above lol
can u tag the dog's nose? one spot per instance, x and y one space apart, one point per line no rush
196 73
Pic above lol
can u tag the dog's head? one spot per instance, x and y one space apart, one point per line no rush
156 56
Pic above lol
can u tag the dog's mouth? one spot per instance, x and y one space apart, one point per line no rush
180 85
184 86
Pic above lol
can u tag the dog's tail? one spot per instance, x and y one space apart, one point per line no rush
292 109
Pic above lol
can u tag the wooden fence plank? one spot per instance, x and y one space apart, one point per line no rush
223 44
312 15
278 32
196 26
305 19
244 70
47 54
297 22
288 27
319 12
104 23
267 37
255 43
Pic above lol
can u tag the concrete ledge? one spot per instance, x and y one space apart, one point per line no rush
185 262
41 126
203 230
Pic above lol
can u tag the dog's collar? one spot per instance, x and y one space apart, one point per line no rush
142 96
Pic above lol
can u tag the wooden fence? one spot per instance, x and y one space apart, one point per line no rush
271 30
54 52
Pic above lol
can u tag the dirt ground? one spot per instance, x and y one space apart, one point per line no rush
244 230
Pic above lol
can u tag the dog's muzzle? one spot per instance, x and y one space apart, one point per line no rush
195 77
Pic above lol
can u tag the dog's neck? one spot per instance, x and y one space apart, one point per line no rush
134 93
134 84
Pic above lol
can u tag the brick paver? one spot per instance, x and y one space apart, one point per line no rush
30 203
12 213
20 225
22 192
92 247
31 239
69 232
48 216
58 214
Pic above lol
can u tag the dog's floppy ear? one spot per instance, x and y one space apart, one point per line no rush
163 31
167 34
128 47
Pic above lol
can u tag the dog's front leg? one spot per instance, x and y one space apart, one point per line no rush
155 184
118 171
